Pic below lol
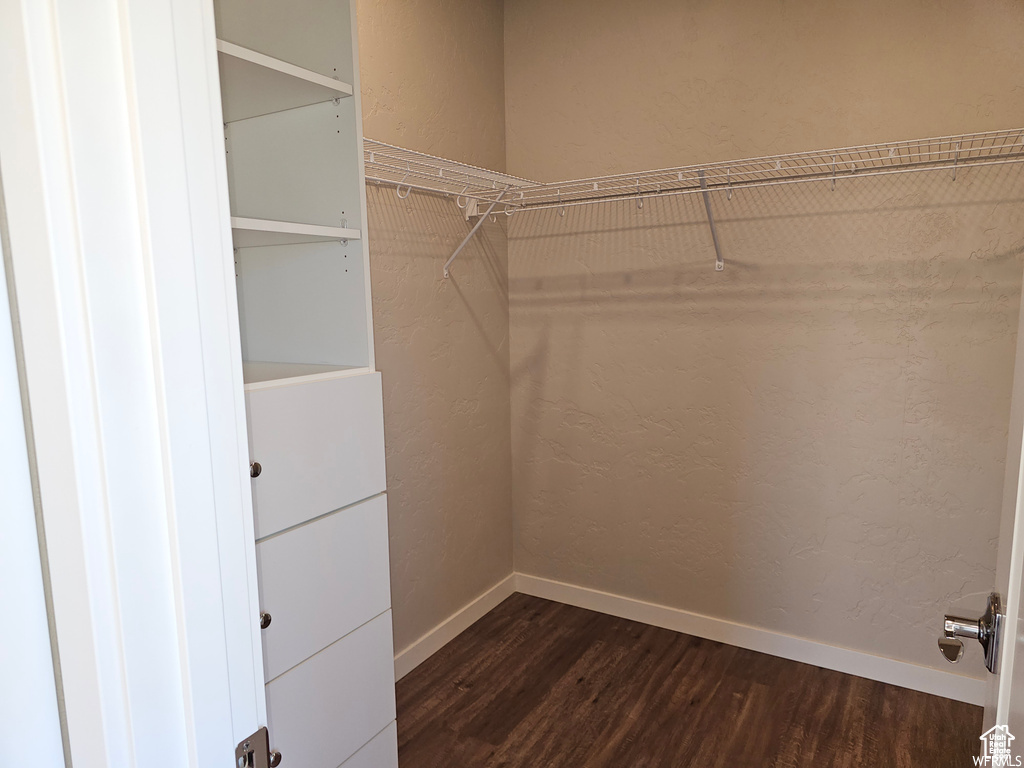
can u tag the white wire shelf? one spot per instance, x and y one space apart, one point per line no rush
407 170
831 165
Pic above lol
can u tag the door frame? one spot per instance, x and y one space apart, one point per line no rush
1009 574
29 712
111 152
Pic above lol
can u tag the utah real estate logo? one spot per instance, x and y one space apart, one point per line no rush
995 748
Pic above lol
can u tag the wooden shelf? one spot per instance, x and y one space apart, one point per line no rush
253 233
254 84
260 375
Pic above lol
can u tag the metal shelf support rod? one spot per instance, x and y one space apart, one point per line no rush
473 232
719 263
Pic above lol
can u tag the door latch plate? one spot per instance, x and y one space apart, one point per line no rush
254 751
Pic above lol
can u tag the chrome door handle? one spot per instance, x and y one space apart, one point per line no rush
957 626
987 630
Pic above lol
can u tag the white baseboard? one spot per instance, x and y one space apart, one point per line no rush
901 673
413 655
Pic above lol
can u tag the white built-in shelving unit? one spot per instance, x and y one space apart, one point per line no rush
293 137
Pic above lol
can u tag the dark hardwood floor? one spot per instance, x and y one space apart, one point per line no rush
537 684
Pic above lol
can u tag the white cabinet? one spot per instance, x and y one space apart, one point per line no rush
320 445
293 137
320 582
380 752
335 702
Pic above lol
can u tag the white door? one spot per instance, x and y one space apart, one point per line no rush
111 154
112 158
1004 705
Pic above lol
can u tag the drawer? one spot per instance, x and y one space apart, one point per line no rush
321 580
320 445
322 711
381 752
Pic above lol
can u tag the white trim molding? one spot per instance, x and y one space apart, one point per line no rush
901 673
29 712
120 258
413 655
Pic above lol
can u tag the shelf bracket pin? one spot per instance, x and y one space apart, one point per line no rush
728 182
833 173
956 159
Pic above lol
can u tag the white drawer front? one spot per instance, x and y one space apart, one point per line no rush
320 445
322 711
322 580
382 752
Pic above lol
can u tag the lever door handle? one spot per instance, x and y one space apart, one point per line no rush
957 626
987 630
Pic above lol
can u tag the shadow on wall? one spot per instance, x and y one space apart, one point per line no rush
442 347
811 441
411 239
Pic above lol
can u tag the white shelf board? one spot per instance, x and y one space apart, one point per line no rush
261 375
254 233
254 84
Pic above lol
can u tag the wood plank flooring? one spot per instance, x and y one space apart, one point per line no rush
537 684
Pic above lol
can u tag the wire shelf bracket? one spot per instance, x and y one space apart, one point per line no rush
719 263
471 186
472 232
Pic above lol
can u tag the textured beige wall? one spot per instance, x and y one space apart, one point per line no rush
813 440
432 80
433 77
602 86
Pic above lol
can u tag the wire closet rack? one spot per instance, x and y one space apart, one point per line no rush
413 170
408 170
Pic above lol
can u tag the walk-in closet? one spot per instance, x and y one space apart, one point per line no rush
693 333
512 383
